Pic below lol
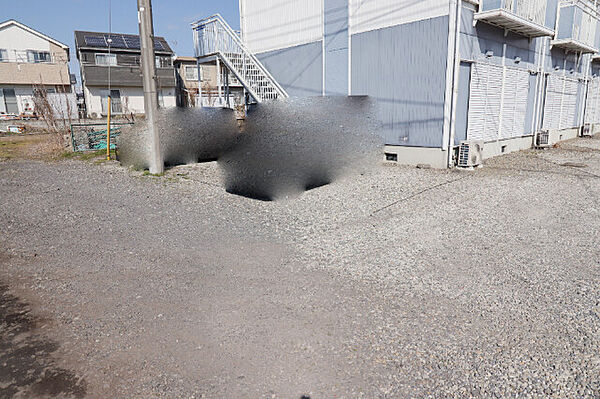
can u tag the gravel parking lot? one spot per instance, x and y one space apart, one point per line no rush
397 282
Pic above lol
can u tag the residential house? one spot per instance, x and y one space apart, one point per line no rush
113 60
31 62
215 81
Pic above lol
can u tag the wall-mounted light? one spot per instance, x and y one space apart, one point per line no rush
489 53
517 60
556 67
571 70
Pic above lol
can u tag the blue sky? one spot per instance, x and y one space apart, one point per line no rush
59 18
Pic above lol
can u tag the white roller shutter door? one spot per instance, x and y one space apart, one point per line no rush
514 103
493 113
569 107
484 102
592 107
560 106
552 104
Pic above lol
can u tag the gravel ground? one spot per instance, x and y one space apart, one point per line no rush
398 282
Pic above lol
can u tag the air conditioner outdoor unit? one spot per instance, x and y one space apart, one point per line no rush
586 130
470 153
542 139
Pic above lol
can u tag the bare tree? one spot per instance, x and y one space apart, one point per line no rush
57 116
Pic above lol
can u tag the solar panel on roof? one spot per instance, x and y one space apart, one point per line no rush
95 40
117 41
132 42
158 45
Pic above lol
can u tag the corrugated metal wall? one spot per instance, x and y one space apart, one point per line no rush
274 24
403 67
336 47
367 15
298 69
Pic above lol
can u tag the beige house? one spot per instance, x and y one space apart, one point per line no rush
29 61
213 88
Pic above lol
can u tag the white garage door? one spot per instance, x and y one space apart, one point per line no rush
493 113
560 106
592 106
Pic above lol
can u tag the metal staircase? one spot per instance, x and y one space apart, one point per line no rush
213 37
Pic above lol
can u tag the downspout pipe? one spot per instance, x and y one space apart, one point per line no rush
587 61
540 106
457 4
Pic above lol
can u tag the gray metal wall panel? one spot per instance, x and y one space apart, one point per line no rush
298 69
566 23
551 13
530 111
462 103
580 103
336 47
559 61
404 68
476 41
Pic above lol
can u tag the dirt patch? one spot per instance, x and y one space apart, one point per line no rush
27 367
30 146
45 147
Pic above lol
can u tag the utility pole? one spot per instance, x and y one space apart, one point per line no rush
149 82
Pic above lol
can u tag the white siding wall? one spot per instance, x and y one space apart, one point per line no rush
132 99
367 15
274 24
14 38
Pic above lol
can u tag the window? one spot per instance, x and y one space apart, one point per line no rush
3 55
10 101
38 56
191 72
106 59
43 91
204 74
163 62
115 102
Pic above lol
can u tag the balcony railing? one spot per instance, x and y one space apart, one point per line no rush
525 17
577 27
128 61
24 56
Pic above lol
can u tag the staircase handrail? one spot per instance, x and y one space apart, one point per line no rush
218 18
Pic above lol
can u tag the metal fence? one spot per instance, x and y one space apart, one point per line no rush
92 136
